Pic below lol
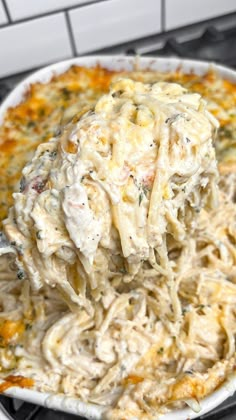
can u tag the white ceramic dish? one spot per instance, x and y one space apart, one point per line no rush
73 405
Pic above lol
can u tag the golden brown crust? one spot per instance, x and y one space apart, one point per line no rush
12 380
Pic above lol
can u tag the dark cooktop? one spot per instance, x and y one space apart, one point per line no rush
16 410
213 45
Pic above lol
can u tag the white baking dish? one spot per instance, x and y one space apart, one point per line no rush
73 405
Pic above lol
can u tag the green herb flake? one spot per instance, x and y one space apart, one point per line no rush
11 347
188 372
146 189
160 350
226 132
53 154
20 274
41 112
140 198
31 124
39 234
66 93
174 118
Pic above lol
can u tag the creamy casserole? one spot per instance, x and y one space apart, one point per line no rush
126 285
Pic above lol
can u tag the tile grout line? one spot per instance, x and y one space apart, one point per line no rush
49 13
71 35
163 15
7 11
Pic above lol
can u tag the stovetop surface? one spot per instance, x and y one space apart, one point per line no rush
213 45
16 410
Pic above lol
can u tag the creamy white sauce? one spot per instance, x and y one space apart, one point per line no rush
84 229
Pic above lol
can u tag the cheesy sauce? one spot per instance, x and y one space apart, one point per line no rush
49 106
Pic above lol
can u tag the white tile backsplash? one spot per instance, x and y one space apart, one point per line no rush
3 16
185 12
20 9
43 31
35 43
115 21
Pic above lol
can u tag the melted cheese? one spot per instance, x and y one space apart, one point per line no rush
46 107
155 129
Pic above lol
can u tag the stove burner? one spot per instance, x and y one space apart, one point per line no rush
4 90
16 410
213 45
28 411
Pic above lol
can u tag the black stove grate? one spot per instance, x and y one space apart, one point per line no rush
213 45
4 90
28 411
